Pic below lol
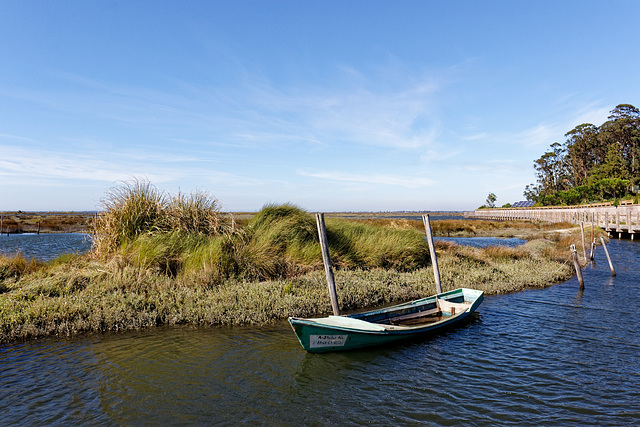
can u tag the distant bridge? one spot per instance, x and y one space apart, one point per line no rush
623 219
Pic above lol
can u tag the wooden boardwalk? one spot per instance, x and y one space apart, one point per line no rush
623 219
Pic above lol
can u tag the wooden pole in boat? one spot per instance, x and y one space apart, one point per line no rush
584 245
432 251
328 268
576 264
606 251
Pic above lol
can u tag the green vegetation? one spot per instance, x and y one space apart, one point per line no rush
490 203
594 164
138 209
188 239
161 260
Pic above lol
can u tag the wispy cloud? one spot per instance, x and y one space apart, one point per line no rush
404 117
542 134
496 168
545 133
24 165
379 179
16 138
401 114
593 113
238 180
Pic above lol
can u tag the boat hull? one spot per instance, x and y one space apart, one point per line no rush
377 327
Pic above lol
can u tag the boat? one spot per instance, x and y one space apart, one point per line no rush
383 326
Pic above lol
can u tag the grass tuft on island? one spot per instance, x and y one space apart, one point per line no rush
161 260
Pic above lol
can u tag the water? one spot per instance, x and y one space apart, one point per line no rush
45 246
554 356
482 242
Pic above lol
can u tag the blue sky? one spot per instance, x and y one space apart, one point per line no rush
330 105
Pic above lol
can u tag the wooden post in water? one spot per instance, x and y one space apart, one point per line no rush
38 232
606 251
432 251
328 268
1 223
584 245
593 250
576 264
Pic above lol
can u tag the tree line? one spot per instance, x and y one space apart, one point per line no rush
595 163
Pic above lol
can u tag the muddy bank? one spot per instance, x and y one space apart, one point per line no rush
46 222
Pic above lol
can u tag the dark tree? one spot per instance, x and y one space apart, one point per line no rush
551 170
623 128
491 200
583 152
595 162
613 168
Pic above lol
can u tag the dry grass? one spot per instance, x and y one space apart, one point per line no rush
280 241
162 260
137 209
84 295
88 296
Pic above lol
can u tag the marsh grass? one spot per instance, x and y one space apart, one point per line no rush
472 228
497 269
90 296
12 268
365 245
138 208
162 260
279 242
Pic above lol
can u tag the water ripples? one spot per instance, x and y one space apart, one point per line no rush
45 246
555 356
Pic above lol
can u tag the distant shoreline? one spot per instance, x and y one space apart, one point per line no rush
46 222
18 222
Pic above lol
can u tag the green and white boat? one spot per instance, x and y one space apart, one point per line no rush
378 327
386 325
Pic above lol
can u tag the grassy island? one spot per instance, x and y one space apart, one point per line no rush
163 260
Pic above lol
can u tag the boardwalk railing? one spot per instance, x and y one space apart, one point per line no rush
613 219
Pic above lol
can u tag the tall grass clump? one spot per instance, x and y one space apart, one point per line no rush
14 267
213 261
361 245
282 240
138 208
197 213
129 210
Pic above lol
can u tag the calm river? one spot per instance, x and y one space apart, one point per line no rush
555 356
45 246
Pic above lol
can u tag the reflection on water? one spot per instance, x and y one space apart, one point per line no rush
48 246
45 246
483 242
554 356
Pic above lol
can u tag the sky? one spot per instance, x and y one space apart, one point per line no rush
328 105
